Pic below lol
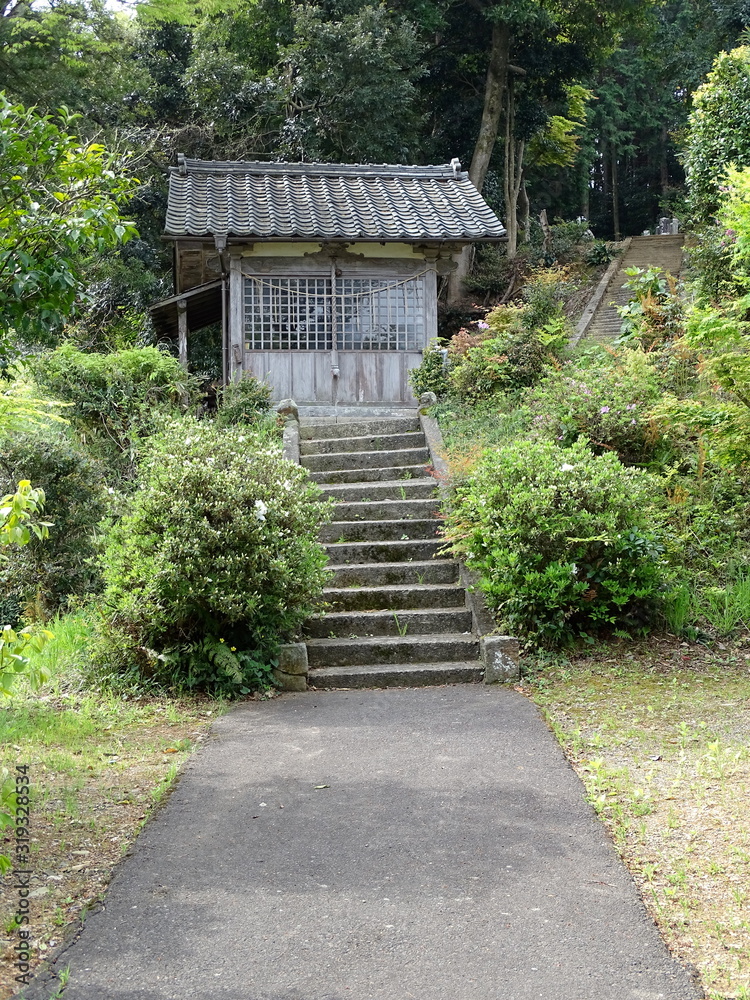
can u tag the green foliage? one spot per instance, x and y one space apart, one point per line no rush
40 577
58 201
17 659
430 375
353 82
598 253
514 346
19 522
710 257
604 400
220 541
545 293
718 134
560 539
18 512
654 312
212 665
716 417
22 410
243 402
117 399
734 217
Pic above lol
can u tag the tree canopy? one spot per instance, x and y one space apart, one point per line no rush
59 200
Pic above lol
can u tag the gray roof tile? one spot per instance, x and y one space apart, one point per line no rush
326 201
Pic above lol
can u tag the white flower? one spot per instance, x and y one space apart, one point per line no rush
567 468
260 509
573 569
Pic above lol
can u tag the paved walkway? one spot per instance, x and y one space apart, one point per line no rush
374 845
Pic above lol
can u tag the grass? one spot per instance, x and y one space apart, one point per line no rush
659 733
99 762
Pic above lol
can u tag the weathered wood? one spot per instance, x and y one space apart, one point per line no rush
291 267
236 319
430 307
182 331
365 376
196 263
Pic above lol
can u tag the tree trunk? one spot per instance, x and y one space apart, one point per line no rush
664 164
524 209
494 89
615 195
513 172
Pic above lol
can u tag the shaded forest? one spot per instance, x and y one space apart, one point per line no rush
573 108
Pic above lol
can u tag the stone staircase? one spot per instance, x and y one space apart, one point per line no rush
397 616
644 252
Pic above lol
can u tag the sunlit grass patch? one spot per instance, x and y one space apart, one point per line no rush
660 736
99 762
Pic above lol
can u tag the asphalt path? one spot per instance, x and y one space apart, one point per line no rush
424 843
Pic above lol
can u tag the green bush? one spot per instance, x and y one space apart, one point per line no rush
215 563
709 256
117 399
243 402
559 538
544 294
605 400
41 576
431 374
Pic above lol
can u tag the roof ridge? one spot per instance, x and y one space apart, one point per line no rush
186 165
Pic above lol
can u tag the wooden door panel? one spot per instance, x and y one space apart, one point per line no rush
365 376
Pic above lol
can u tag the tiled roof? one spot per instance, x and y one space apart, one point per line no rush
326 201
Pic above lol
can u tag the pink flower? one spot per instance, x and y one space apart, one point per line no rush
482 325
604 409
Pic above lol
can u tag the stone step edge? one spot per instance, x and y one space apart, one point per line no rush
385 613
397 675
385 566
380 484
358 438
394 640
385 587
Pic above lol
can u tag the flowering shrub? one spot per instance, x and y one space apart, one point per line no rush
505 354
607 403
219 549
559 539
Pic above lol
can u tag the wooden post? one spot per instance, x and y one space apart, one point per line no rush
182 330
236 318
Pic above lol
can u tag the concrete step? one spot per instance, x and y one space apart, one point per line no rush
376 675
382 442
410 621
319 429
366 459
383 552
427 573
392 598
376 492
378 531
388 649
387 510
398 472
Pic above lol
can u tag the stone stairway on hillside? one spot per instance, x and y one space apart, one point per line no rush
643 252
398 616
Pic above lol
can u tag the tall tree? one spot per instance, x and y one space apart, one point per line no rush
574 34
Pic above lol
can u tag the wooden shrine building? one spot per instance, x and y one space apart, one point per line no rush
324 277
